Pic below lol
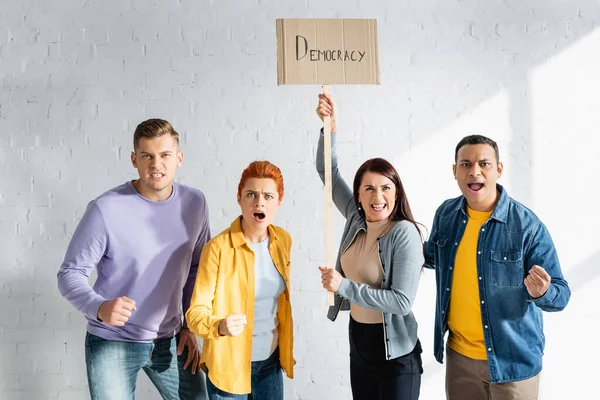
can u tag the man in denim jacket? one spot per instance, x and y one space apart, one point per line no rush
496 270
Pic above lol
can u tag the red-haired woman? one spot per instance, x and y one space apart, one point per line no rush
241 301
376 276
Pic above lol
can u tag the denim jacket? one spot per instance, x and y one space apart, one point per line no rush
510 242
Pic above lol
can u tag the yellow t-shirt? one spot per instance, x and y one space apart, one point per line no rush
464 315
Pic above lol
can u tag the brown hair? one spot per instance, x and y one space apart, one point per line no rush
153 128
401 209
262 169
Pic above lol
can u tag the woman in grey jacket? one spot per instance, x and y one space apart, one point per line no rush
376 275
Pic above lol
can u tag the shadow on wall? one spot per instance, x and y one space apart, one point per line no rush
468 53
584 273
471 52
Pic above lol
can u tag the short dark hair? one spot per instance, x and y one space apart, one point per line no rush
476 139
153 128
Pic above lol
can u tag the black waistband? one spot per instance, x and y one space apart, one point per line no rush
366 329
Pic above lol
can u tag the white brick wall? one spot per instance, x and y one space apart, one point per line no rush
77 76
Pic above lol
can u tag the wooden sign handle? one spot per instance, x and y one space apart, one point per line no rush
328 198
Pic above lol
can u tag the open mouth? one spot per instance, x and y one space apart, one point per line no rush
475 186
259 216
378 207
156 175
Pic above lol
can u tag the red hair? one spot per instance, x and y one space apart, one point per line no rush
265 170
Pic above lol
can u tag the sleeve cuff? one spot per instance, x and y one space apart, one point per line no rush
343 289
215 329
92 310
546 298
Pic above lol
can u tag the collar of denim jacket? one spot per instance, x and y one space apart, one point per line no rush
500 211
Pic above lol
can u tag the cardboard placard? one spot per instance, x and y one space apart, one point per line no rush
327 51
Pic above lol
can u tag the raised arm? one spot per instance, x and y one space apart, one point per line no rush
342 194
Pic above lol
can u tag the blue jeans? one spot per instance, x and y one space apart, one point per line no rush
112 369
266 381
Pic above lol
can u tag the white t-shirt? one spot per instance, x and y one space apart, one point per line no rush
268 286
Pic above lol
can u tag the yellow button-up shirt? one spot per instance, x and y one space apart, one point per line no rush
225 285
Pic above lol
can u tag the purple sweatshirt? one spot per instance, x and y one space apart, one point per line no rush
145 250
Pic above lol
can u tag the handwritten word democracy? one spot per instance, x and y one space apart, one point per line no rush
327 55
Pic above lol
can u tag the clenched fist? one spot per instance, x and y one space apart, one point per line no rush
117 311
326 108
537 282
330 278
232 325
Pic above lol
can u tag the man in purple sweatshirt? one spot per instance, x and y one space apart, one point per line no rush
144 238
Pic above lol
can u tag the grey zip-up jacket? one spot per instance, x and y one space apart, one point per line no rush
401 254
